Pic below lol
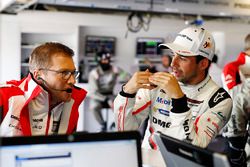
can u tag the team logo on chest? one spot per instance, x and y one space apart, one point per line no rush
163 106
161 123
163 101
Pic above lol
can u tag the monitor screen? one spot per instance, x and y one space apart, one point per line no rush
180 153
84 150
148 47
95 44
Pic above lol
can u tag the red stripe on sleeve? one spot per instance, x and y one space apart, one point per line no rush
142 108
121 116
195 124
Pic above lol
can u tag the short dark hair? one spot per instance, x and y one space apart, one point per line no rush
199 58
102 55
215 58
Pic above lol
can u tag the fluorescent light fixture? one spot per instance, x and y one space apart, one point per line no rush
15 6
174 10
5 3
225 14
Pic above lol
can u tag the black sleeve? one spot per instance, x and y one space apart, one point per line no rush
180 105
236 151
124 94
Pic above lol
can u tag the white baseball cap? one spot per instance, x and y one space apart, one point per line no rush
192 41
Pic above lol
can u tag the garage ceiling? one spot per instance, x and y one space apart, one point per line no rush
221 8
217 8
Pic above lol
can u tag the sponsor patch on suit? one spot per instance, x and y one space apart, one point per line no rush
164 112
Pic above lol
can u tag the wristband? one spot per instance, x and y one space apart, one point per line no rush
124 94
179 105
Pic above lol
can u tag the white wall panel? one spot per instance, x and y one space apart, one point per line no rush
10 48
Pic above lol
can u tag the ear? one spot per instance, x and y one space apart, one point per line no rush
203 64
37 74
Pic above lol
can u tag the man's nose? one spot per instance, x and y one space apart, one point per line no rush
174 61
72 79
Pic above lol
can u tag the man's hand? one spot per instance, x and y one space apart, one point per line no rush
168 83
139 80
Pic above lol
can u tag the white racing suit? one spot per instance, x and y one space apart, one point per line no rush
236 129
197 117
101 86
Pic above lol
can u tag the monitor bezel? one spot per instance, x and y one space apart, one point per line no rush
174 146
100 37
76 137
146 55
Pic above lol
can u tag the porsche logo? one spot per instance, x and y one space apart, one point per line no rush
206 45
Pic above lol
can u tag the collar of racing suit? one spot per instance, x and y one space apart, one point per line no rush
193 89
241 58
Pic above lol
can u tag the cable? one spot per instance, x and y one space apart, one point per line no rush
140 21
146 22
44 83
130 22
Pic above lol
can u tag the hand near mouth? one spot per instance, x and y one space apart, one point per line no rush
168 83
139 80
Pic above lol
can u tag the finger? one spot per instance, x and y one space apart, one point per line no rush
156 79
160 82
160 79
151 80
155 83
143 79
147 86
164 74
147 72
144 76
166 77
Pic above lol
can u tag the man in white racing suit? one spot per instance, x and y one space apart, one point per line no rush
236 71
185 104
237 129
102 81
237 81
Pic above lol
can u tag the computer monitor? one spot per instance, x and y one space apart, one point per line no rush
94 44
177 153
78 150
148 47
